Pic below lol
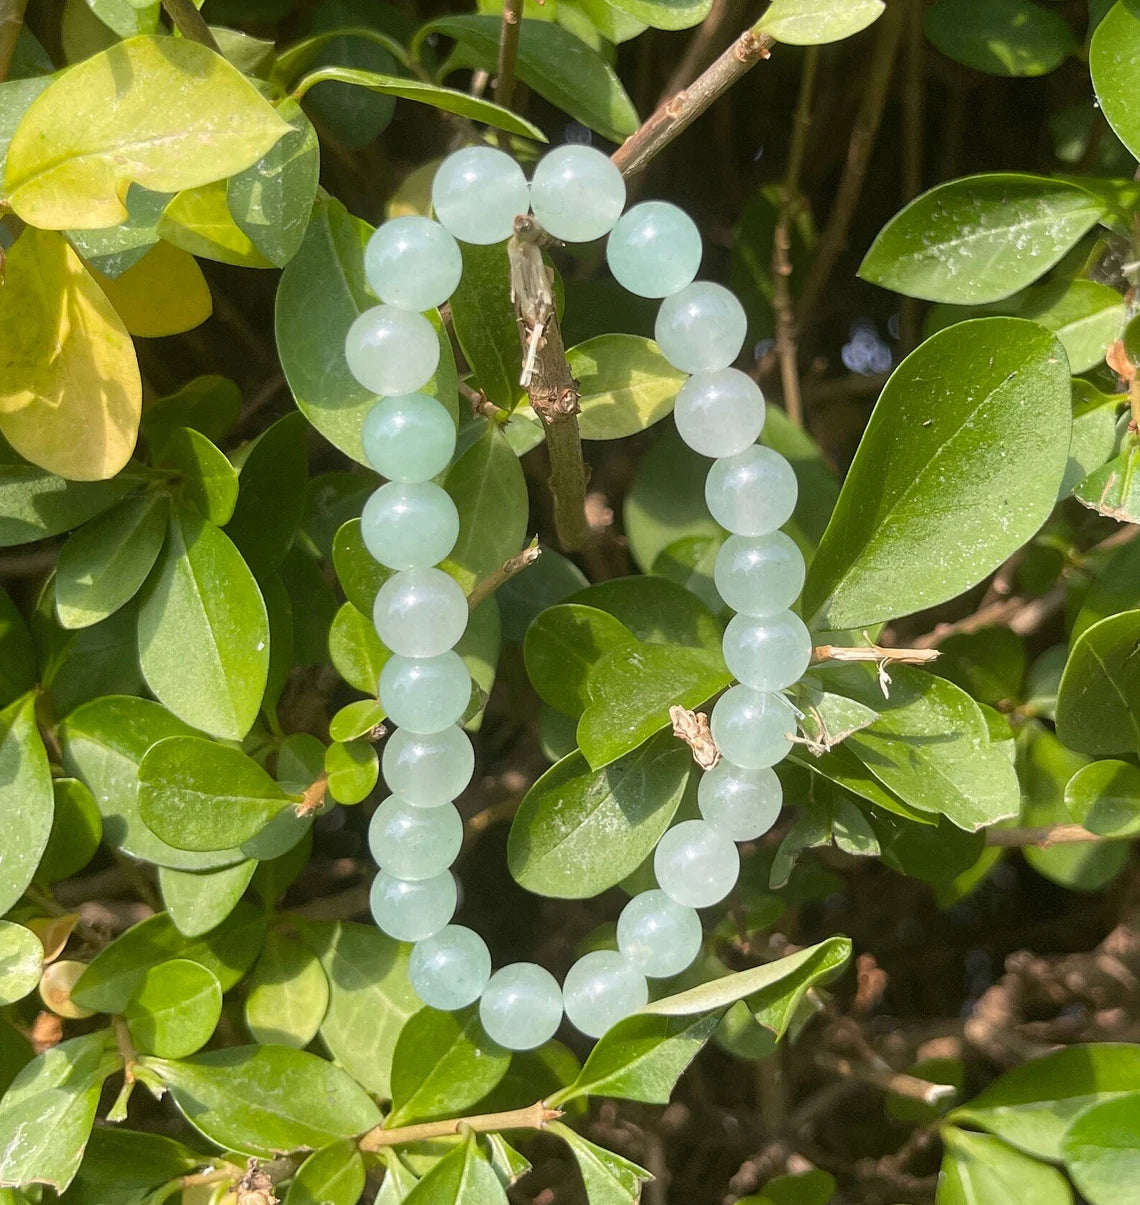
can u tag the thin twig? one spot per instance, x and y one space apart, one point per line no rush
1053 834
533 1117
11 20
897 1082
508 53
873 652
484 589
680 111
782 303
834 237
190 23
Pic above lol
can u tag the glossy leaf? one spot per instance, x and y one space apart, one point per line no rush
199 900
980 238
359 573
1100 1151
1114 489
610 1179
1115 588
971 462
128 1164
70 365
111 251
266 1100
209 404
355 649
204 475
18 670
625 385
29 805
1098 702
203 630
198 221
660 14
174 1009
483 317
977 1167
815 22
333 1175
76 830
356 719
1112 55
352 768
462 1177
165 113
115 973
563 645
164 293
442 1065
1105 798
21 961
288 993
1001 37
579 831
655 610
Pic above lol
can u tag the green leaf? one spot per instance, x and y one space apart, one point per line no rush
200 795
205 476
1098 702
816 22
104 564
553 62
271 482
115 972
930 745
462 1177
1105 798
127 17
609 1179
631 690
398 1180
266 1100
660 14
972 461
199 900
487 486
655 610
168 114
355 649
370 998
1032 1106
330 265
359 573
1112 59
18 670
210 404
356 719
1115 588
812 1187
1114 489
288 994
103 742
1102 1151
116 249
271 200
442 1065
21 961
353 769
563 644
483 317
625 383
579 831
29 803
988 664
333 1175
47 1112
174 1009
525 596
980 238
126 1165
204 631
980 1170
1001 37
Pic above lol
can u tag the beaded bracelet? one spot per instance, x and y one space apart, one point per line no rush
410 524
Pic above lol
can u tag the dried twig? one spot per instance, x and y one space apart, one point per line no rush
897 1082
505 571
1052 834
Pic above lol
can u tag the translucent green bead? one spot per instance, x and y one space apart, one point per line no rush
392 351
412 263
759 575
601 989
413 911
428 770
477 194
521 1006
753 492
450 969
420 612
409 524
414 843
719 413
654 250
701 328
767 654
751 727
657 935
409 438
425 694
742 804
695 865
577 193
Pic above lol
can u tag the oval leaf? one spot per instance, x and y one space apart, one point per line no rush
28 799
288 994
174 1009
816 22
1098 701
21 961
1113 54
625 385
1001 37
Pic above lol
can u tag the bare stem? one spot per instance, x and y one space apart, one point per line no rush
11 20
681 110
786 342
897 1082
190 23
873 652
1053 834
834 237
505 571
533 1117
508 53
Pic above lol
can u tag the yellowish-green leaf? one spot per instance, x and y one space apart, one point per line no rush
199 221
626 385
166 113
165 293
70 392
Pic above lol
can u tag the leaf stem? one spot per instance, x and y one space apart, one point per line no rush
509 32
190 23
11 21
681 110
533 1117
1042 838
484 589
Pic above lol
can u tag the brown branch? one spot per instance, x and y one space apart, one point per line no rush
782 302
873 652
533 1117
484 589
509 33
680 111
834 238
702 46
190 23
897 1082
11 21
1053 834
